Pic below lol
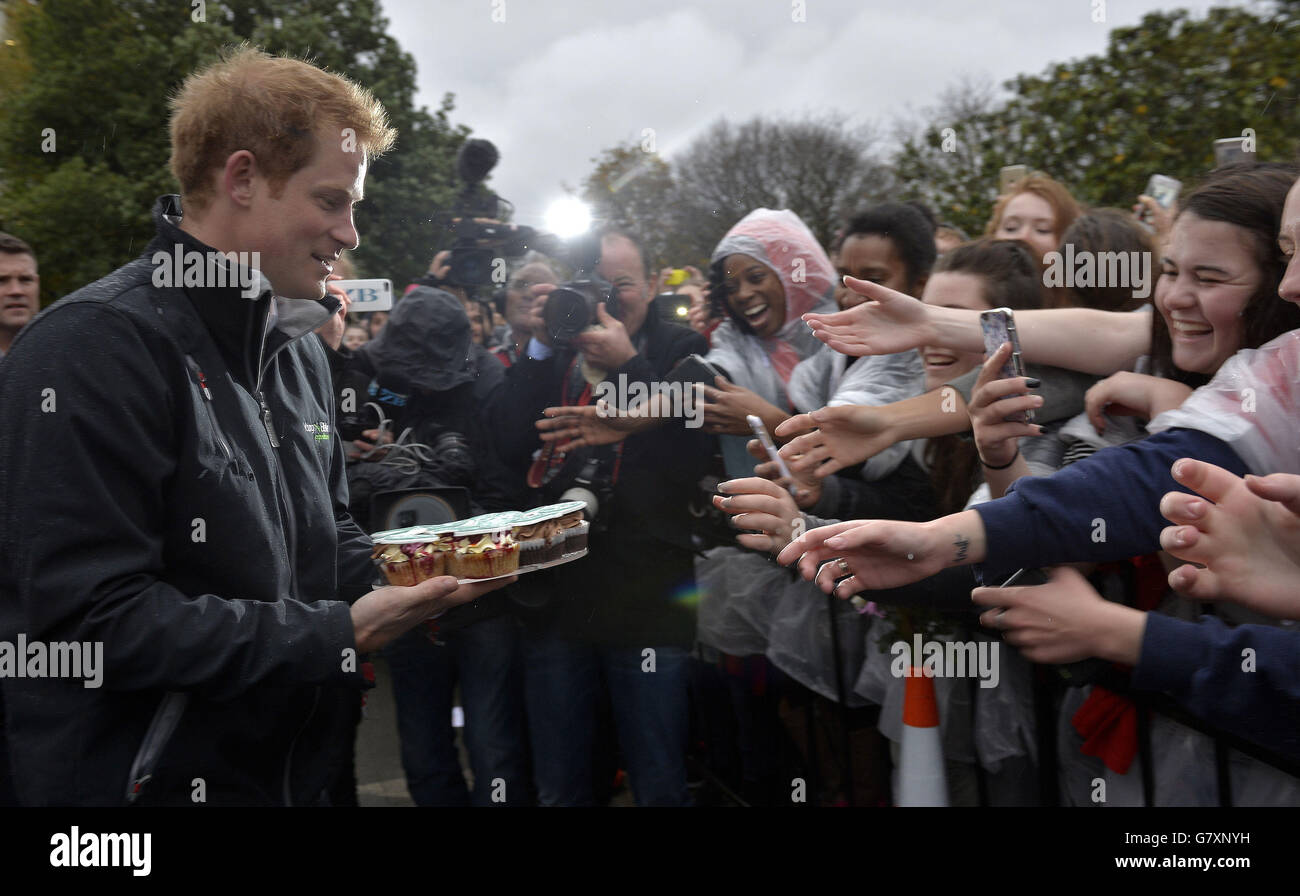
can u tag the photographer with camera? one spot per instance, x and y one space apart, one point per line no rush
516 301
616 612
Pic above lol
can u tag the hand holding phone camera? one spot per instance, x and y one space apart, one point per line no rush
999 326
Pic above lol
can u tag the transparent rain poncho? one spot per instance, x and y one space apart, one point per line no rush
1252 404
740 589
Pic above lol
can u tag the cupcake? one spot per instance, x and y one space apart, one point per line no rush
532 550
575 537
560 519
396 564
537 526
429 561
484 555
409 556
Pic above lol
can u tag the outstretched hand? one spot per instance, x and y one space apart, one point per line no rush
890 322
760 504
727 406
865 555
589 425
1064 621
1246 533
834 438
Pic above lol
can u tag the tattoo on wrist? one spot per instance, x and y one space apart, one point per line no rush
962 543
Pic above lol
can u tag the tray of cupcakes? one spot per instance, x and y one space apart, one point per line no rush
489 546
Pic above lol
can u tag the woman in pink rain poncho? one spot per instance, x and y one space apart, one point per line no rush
767 272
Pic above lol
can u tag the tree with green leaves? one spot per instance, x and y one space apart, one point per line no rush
1153 103
84 142
634 190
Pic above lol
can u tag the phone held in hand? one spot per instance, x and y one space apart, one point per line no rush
1233 149
761 433
1164 190
999 326
694 369
1009 176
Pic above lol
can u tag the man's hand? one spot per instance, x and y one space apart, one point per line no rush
1246 532
840 437
891 322
592 424
373 449
1063 621
607 346
331 332
760 504
536 313
389 612
440 267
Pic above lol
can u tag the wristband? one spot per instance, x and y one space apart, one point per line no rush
989 466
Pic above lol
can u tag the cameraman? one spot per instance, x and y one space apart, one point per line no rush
617 613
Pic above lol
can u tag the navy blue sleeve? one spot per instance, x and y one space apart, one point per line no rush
1103 508
1245 680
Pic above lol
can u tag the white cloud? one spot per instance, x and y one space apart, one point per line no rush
559 81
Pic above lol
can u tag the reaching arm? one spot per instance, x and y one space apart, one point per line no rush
1098 342
838 437
1245 679
1103 508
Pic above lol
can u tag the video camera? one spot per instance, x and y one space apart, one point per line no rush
480 236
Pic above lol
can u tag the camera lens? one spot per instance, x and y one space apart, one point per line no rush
568 312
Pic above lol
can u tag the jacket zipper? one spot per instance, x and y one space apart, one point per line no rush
165 719
281 489
207 403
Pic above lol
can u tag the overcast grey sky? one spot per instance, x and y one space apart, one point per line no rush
553 82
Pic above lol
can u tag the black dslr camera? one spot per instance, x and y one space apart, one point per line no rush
571 307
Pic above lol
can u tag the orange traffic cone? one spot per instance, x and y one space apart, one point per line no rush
921 780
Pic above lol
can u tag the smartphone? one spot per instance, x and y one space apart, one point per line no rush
1009 176
368 295
694 369
999 326
673 307
1164 190
1229 149
760 432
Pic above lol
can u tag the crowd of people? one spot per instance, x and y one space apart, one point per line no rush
193 474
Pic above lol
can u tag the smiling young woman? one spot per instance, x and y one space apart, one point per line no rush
1036 210
1219 275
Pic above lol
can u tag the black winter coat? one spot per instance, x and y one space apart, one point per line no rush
166 497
